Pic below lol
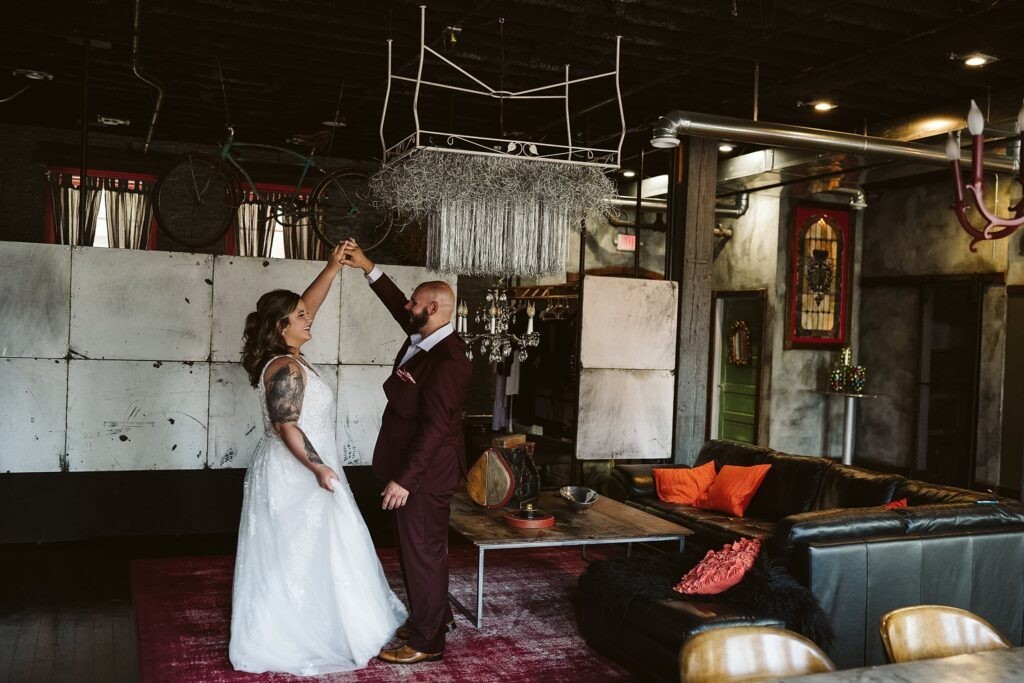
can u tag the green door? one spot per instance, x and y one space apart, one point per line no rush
739 368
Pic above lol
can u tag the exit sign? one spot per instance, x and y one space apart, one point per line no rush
625 242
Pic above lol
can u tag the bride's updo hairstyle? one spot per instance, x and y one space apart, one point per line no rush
262 339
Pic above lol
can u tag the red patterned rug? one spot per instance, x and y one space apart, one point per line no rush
182 616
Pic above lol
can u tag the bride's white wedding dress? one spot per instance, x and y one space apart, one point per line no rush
310 596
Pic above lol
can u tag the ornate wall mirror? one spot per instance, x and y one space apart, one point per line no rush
739 343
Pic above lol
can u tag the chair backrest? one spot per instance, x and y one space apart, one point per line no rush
749 653
932 631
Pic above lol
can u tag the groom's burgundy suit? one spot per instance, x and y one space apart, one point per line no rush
421 447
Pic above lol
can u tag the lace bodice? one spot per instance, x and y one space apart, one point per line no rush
317 418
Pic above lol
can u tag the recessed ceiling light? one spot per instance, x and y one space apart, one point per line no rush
33 74
628 173
977 59
112 121
819 105
725 147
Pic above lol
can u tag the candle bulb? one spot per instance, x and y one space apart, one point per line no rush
531 308
953 154
976 124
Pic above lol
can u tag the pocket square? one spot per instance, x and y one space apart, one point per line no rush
405 376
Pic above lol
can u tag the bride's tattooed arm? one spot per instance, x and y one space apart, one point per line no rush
285 390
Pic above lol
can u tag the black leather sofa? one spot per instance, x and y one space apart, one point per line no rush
825 522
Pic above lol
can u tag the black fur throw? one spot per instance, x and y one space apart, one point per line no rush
767 589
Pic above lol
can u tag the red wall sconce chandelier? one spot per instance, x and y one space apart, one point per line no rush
995 227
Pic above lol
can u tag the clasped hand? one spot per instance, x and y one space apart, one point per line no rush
348 253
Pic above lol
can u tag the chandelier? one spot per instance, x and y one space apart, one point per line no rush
995 226
494 205
496 342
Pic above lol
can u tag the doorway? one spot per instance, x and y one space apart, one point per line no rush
738 331
948 376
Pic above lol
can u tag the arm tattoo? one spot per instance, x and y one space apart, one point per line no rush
311 453
284 395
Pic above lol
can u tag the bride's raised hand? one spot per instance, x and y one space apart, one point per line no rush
325 476
337 255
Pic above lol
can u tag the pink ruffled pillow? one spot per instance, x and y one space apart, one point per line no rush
721 569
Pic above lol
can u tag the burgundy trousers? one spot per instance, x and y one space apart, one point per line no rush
422 528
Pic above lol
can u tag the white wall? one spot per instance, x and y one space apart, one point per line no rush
127 360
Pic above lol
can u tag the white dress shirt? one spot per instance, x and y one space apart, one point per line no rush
416 340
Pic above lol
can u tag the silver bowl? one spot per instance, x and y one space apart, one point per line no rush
578 498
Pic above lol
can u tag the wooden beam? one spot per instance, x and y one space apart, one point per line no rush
696 167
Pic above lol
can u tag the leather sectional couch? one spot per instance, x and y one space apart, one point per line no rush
826 524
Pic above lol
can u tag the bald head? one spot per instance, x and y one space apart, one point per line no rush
430 307
440 292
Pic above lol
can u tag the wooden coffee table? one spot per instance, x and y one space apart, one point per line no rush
607 521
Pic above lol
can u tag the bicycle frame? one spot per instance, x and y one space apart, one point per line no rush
308 162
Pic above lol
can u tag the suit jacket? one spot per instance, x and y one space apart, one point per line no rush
420 444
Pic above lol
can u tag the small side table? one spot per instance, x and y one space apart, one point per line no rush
849 420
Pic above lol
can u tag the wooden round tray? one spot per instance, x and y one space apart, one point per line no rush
517 519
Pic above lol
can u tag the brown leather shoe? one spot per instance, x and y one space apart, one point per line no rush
404 631
407 655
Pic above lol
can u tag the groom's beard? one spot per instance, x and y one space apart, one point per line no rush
417 321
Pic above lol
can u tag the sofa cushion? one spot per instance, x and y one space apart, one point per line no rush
633 482
683 485
830 525
843 486
733 489
790 486
930 519
923 493
711 529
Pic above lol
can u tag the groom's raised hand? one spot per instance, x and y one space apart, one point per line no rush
353 256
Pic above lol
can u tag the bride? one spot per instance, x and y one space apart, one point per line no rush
310 595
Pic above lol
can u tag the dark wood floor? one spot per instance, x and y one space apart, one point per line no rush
70 642
65 608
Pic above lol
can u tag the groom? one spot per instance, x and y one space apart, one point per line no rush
420 451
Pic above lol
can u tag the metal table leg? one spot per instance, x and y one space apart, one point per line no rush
480 590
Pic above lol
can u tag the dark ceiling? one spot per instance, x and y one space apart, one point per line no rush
284 60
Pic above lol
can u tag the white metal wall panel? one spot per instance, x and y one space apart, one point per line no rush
629 323
137 415
239 282
236 422
369 335
36 302
32 414
625 414
140 305
361 402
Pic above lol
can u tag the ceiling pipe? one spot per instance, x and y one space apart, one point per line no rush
668 127
739 206
146 78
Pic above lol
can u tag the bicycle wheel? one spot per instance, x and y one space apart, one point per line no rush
342 208
195 200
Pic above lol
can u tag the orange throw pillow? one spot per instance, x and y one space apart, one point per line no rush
733 489
681 485
896 504
722 569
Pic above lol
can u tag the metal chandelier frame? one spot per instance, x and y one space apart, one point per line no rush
501 147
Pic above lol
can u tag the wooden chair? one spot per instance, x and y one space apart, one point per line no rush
932 631
749 653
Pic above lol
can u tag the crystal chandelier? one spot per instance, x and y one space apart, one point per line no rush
496 342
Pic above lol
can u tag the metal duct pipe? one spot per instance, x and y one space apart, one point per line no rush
740 205
146 78
677 123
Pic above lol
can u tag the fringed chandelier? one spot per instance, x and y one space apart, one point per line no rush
494 206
